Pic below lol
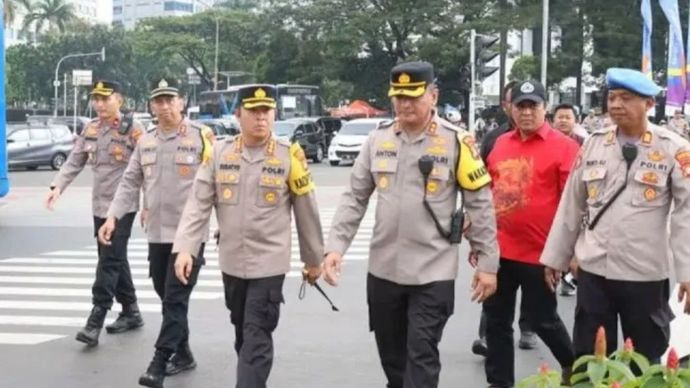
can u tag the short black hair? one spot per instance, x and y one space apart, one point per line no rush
507 89
565 106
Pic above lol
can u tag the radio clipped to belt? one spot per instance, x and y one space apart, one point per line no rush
426 165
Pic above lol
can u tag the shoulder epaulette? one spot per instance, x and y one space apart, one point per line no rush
385 124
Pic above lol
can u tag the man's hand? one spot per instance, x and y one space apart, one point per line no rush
144 217
473 259
552 277
483 286
105 233
312 273
183 267
684 293
52 198
331 268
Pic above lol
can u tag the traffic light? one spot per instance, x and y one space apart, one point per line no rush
484 55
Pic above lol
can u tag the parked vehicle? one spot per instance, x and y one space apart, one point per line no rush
33 145
222 128
309 136
329 125
347 143
69 121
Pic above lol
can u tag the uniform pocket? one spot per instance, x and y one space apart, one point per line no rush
148 163
118 152
438 182
384 170
650 188
272 188
185 165
594 179
275 299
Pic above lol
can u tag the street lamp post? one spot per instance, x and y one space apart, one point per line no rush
544 41
56 83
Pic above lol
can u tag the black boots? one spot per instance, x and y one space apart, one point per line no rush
129 319
182 360
155 373
89 334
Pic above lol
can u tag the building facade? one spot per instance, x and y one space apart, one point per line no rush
128 12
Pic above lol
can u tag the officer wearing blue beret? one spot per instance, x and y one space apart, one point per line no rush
613 219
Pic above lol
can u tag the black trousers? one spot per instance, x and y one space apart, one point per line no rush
643 309
408 323
113 276
541 310
174 295
523 322
254 306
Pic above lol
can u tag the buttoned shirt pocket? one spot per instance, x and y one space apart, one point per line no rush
185 163
148 162
227 188
91 149
383 170
594 179
271 189
650 188
438 182
119 152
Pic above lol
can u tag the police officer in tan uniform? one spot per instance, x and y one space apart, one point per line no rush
614 218
253 180
106 145
418 164
163 165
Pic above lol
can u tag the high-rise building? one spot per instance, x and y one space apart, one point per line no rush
91 11
129 12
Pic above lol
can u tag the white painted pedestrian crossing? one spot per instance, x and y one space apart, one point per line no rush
47 296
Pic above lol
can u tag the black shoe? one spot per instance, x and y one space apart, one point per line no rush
181 361
89 334
479 347
155 373
129 319
528 340
568 288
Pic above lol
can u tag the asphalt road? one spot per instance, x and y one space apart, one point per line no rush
46 268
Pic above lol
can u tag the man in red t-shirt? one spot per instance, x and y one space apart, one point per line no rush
529 167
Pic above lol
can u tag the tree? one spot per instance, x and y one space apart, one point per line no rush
56 14
11 7
524 68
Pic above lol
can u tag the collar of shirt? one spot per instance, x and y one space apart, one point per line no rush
431 126
541 133
115 124
182 127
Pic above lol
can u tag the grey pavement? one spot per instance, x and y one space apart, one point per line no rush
315 347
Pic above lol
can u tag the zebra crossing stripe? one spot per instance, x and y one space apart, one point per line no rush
27 338
85 292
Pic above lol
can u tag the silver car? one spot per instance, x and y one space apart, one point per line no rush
33 145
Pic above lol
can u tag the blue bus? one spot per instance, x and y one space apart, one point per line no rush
293 101
4 179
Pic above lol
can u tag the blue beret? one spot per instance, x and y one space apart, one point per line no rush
632 80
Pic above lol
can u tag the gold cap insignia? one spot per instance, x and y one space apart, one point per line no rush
404 78
163 84
100 85
260 93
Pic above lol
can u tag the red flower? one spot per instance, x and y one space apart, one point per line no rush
628 347
672 361
544 369
600 344
615 385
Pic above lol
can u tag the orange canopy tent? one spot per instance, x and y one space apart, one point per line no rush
357 109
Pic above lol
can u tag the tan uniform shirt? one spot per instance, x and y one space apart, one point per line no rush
631 240
253 194
107 152
406 246
164 165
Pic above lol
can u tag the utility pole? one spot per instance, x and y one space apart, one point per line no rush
215 75
544 41
473 78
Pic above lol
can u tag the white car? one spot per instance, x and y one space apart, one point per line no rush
347 144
